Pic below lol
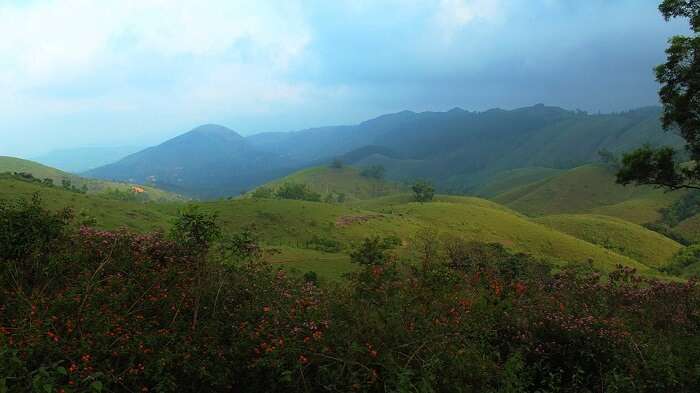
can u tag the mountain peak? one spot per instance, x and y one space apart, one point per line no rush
214 130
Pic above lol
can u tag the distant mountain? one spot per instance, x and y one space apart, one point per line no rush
84 158
460 151
208 161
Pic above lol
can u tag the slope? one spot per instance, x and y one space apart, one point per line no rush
347 181
587 189
93 186
617 235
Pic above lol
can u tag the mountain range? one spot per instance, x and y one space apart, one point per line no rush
457 150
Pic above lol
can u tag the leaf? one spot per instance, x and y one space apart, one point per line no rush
96 386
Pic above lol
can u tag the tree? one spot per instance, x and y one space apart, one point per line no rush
297 191
424 192
336 163
680 96
374 172
372 251
243 246
263 192
609 158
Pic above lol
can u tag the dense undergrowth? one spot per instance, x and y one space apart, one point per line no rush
89 310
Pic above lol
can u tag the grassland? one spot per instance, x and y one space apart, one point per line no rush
617 235
94 186
292 227
345 180
587 189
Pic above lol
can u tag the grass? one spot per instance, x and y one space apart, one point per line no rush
505 181
346 180
289 225
587 189
94 186
617 235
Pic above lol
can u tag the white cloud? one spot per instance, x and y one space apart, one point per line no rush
453 15
72 42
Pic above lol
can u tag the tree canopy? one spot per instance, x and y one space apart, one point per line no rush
680 96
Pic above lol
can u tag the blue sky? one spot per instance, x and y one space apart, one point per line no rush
79 73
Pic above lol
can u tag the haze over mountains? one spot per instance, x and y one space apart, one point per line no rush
457 150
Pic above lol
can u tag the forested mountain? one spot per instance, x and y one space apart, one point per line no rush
207 161
457 150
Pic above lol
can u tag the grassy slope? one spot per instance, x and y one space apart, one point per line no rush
288 225
507 180
11 164
345 180
616 235
587 189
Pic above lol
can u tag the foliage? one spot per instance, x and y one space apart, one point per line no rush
195 230
374 172
263 192
117 315
243 246
609 158
324 244
297 191
423 191
685 258
373 251
680 95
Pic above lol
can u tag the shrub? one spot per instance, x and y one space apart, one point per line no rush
423 191
297 191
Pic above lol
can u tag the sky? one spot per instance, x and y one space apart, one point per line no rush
77 73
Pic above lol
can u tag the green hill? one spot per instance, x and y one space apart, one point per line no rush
93 186
318 236
617 235
588 189
346 180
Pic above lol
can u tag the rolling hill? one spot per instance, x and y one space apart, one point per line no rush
347 181
93 186
588 189
296 228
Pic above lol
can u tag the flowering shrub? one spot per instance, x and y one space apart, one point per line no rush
114 311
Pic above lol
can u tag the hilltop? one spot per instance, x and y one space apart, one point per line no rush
349 183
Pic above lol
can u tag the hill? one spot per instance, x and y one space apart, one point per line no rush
318 236
346 181
208 161
459 151
617 235
92 186
588 189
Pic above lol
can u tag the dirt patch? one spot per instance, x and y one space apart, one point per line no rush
349 220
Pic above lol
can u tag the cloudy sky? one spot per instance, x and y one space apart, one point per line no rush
133 72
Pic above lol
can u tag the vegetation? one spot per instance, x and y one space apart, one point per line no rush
88 310
680 93
374 172
297 191
423 191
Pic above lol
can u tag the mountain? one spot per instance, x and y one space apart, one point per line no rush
459 151
208 161
84 158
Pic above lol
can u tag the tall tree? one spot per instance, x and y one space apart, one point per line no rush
680 95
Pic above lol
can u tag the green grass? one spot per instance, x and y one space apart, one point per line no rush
346 180
289 225
617 235
587 189
94 186
505 181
